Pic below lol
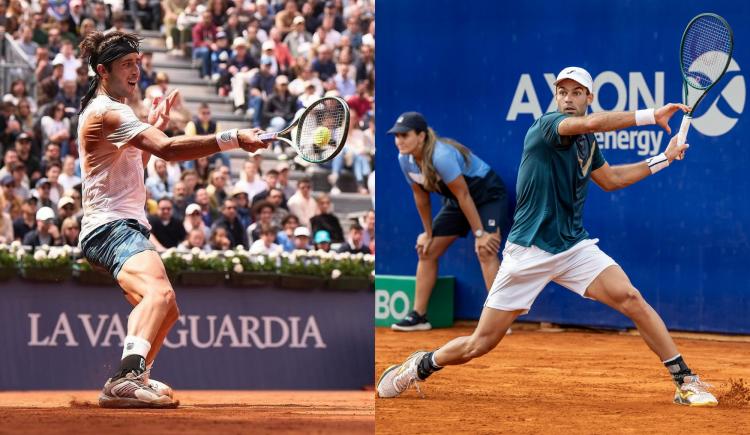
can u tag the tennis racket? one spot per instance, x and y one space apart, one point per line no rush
705 53
319 133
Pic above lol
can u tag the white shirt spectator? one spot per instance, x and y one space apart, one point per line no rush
259 247
303 208
70 66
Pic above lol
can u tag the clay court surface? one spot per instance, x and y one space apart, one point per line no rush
564 383
217 412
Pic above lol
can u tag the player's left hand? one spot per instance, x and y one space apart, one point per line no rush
663 114
158 116
675 151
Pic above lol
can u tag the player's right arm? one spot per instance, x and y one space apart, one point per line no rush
608 121
179 148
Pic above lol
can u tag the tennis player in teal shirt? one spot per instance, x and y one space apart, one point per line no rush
548 242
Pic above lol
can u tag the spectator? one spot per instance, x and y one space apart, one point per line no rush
180 200
220 54
203 124
323 64
45 232
353 31
230 222
302 238
368 234
69 60
195 238
148 73
20 180
54 40
302 204
255 37
219 240
242 66
282 182
280 107
280 52
76 16
326 220
19 94
353 243
10 157
271 177
285 237
218 10
287 17
263 215
298 39
190 178
261 86
326 33
66 208
51 155
250 181
322 240
204 35
307 78
361 102
26 43
194 221
145 14
6 223
56 127
158 183
100 16
276 197
208 213
49 87
186 20
166 230
25 116
265 244
172 11
68 95
365 64
71 229
330 11
344 80
216 188
233 27
56 191
243 206
25 223
87 26
356 155
263 15
68 179
42 191
202 168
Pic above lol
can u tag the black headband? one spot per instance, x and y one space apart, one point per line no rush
113 51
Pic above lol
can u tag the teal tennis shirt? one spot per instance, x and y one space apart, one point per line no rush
552 186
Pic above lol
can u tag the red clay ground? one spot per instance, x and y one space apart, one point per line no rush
217 412
564 383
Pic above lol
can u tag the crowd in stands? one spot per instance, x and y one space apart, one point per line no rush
271 57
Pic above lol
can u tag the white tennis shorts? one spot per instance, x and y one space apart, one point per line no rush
525 272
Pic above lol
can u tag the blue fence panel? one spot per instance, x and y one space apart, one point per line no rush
481 72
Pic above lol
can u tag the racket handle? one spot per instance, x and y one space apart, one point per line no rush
684 127
267 137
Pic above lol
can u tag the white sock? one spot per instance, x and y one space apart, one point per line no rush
432 361
135 346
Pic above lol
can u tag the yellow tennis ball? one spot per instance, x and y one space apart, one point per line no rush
321 135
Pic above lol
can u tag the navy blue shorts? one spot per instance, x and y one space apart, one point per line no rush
112 244
450 220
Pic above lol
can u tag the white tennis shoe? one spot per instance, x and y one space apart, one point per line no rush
694 392
398 378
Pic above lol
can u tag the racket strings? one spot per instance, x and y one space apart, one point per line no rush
322 130
706 51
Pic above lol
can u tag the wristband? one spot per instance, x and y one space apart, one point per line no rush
227 139
645 117
657 163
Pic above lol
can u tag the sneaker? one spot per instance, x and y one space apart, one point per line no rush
132 392
158 386
412 322
397 378
694 392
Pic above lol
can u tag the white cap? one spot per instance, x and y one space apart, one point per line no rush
301 231
268 45
65 200
578 75
45 213
192 208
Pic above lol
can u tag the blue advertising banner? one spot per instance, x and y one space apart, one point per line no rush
70 337
482 72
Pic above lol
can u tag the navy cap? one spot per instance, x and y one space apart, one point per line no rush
7 180
409 121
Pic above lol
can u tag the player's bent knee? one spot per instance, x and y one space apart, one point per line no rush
478 346
632 303
165 297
